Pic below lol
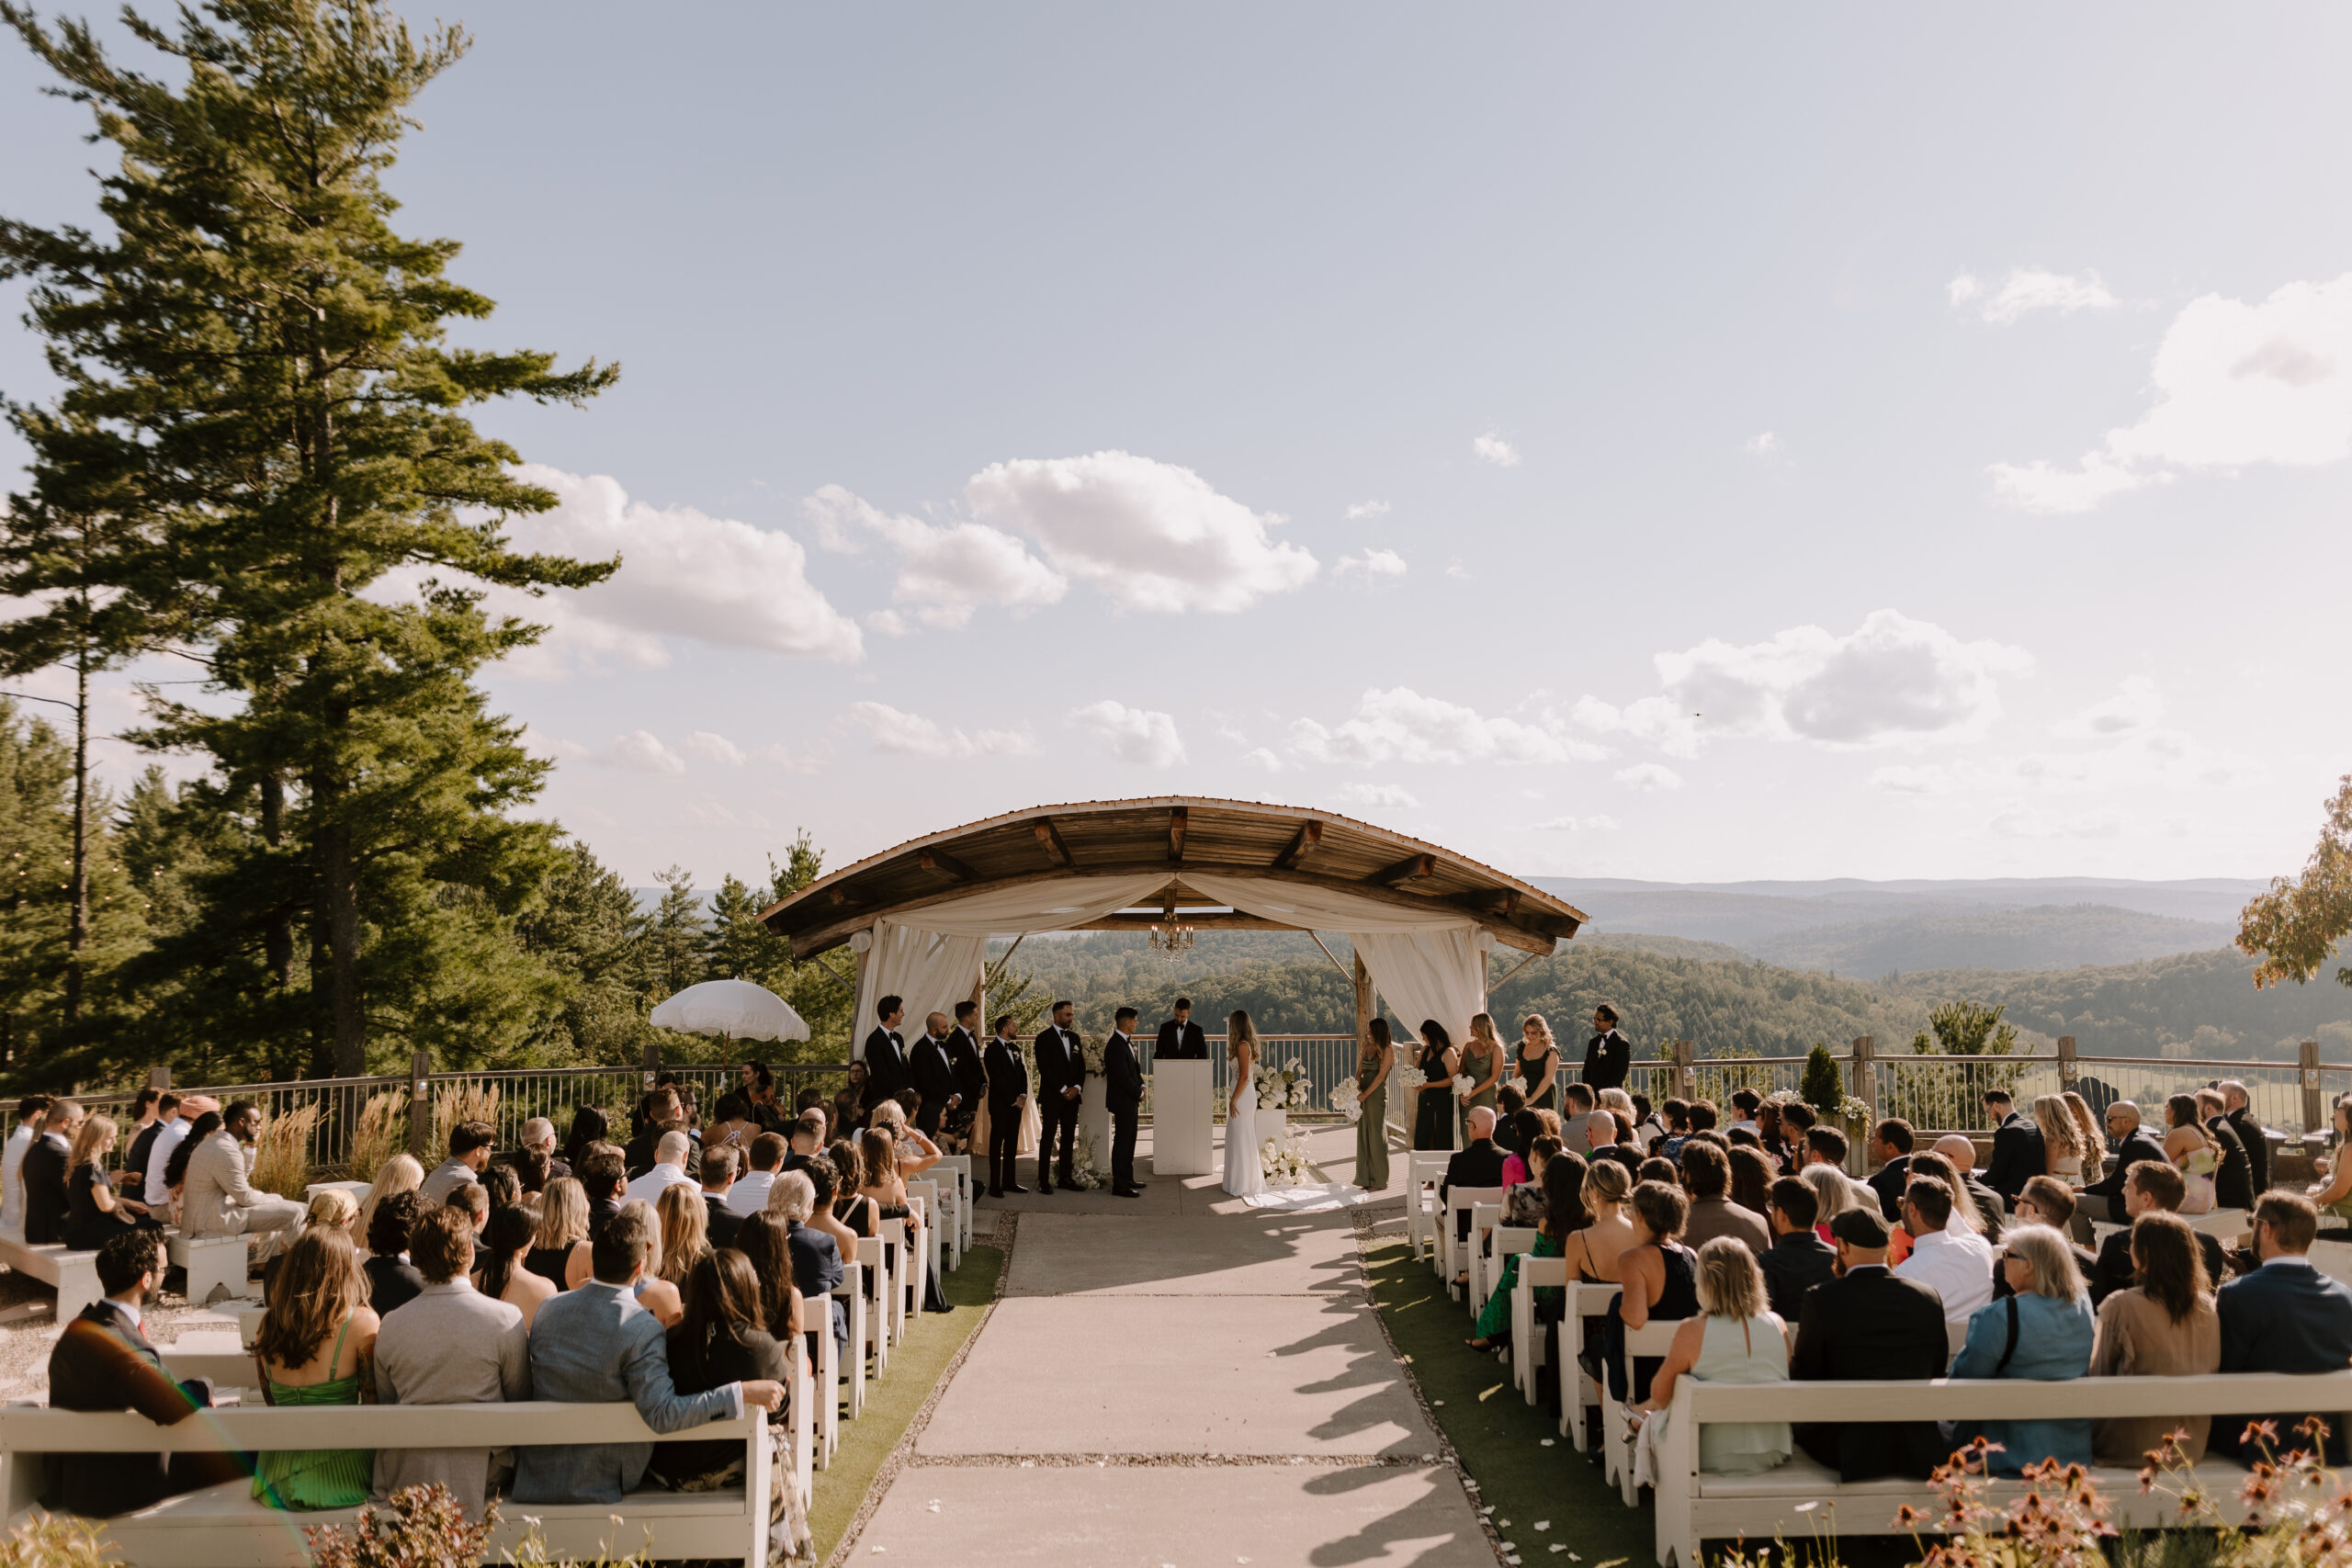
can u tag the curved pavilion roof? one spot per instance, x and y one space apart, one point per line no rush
1124 838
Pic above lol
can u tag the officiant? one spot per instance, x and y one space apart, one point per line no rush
1181 1039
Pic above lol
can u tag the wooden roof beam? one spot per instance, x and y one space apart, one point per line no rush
946 864
1412 868
1503 901
1051 838
1303 843
1178 820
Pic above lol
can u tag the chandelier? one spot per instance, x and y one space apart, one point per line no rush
1171 939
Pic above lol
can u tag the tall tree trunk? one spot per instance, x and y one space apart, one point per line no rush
277 933
77 927
340 883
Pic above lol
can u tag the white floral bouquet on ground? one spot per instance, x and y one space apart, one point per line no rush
1285 1161
1283 1087
1346 1101
1081 1165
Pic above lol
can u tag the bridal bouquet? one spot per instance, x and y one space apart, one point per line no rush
1462 1084
1285 1161
1346 1101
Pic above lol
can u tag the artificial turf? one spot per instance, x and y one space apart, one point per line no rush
1500 1436
916 1367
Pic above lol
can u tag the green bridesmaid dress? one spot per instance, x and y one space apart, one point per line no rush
322 1478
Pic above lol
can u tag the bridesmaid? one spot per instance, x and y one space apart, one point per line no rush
1375 1059
1482 1058
1433 1116
1539 1064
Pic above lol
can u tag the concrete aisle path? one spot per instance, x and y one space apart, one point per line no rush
1178 1382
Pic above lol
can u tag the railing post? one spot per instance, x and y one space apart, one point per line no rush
2315 1115
2068 1071
1861 1076
1686 1082
652 1065
420 1105
159 1078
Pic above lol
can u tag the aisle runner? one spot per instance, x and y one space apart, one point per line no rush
1309 1200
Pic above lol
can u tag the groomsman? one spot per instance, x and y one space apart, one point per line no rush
885 1054
971 1078
1609 1054
1123 1093
1061 1075
1008 1092
1181 1039
931 1076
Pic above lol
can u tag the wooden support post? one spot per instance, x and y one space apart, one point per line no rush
2314 1114
857 1030
159 1078
420 1105
1364 1008
1686 1082
652 1065
2069 1071
1861 1074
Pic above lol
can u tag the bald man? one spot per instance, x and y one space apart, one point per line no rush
2103 1199
931 1073
1962 1151
1479 1164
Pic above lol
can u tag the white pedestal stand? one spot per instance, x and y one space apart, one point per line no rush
1094 1122
1184 1111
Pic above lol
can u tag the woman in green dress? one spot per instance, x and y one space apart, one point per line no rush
1482 1059
1564 1215
1375 1059
1434 1107
316 1347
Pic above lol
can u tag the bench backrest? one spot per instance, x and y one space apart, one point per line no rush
35 1429
2025 1399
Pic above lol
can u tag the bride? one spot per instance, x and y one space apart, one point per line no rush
1243 1172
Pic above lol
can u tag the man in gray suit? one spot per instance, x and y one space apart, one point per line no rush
452 1345
219 1199
596 1346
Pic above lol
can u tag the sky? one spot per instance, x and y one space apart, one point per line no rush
1677 443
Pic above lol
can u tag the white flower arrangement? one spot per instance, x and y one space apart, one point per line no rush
1283 1087
1854 1109
1090 1052
1526 1091
1346 1101
1462 1084
1285 1162
1081 1165
1408 1084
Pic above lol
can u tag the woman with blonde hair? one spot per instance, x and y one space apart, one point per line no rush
1732 1338
399 1174
1592 1252
685 1231
1245 1172
1539 1064
2092 1144
2193 1150
2043 1330
316 1346
559 1251
1482 1062
2062 1141
331 1208
1832 1196
93 1213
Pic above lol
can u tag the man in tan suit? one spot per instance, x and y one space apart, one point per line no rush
217 1200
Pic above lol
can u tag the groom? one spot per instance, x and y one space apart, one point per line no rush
1122 1094
1061 1075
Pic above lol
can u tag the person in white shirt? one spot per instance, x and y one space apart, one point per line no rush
1951 1258
749 1196
30 1112
169 1136
668 1168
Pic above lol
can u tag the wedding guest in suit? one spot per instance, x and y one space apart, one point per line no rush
1608 1056
1959 1153
2018 1152
767 1155
597 1346
32 1112
1577 1104
1061 1075
1123 1096
2286 1317
1866 1324
1799 1259
1181 1039
1891 1146
452 1345
2234 1177
1480 1164
43 1174
2152 1187
718 1181
103 1362
1008 1094
471 1146
2165 1326
2043 1331
218 1198
2251 1137
2103 1199
1706 1177
886 1055
158 1109
603 1178
663 1114
971 1077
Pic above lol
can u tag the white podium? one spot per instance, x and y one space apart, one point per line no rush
1182 1117
1094 1121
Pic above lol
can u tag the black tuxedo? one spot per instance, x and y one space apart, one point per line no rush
43 1174
971 1079
931 1075
103 1361
134 1164
1792 1265
1059 1067
1122 1094
2234 1181
1888 1182
2103 1199
1870 1325
1008 1078
724 1224
2284 1317
1607 1057
1184 1042
2256 1144
2112 1271
2019 1156
1996 1211
885 1068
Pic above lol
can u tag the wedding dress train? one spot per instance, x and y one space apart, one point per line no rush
1245 1174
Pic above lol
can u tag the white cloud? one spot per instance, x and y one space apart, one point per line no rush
684 575
1892 680
1649 777
2029 289
715 747
1576 825
2235 384
538 743
947 570
1908 779
1373 566
1362 509
1259 757
1456 569
1152 536
890 622
1763 446
1396 797
912 734
1141 736
1401 724
777 758
640 752
1492 448
2134 709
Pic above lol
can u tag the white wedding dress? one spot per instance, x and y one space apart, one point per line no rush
1245 1173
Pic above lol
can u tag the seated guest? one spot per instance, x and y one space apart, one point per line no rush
1479 1164
603 1178
503 1274
503 1183
2286 1317
808 1138
1967 1201
824 1246
748 1195
668 1170
1799 1259
1706 1177
1824 1145
32 1112
400 1173
316 1346
655 1294
2103 1199
539 1138
1745 1103
1833 1194
93 1213
1524 1127
589 1128
2043 1331
218 1198
1797 1119
732 1126
1606 1138
2152 1187
1987 1208
103 1362
686 1223
1735 1339
786 1249
2192 1149
1577 1106
725 1337
2238 1111
720 1220
43 1173
2333 1196
664 1112
472 1200
597 1345
840 1213
1563 1216
207 1122
1658 1275
1660 1169
1592 1250
1891 1146
452 1345
560 1250
393 1280
1868 1325
1946 1255
1676 1115
1523 1202
1508 1136
471 1143
1751 1177
2233 1180
2047 1201
166 1106
2164 1327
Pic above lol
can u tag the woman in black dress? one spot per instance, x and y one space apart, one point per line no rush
1660 1280
1434 1104
93 1213
724 1338
1539 1064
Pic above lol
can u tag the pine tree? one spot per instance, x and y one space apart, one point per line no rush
591 932
677 943
262 358
1822 1086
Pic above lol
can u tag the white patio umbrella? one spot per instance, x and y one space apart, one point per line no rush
737 1008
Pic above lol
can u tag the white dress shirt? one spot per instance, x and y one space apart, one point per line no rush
650 1186
1958 1263
168 1136
750 1194
12 1184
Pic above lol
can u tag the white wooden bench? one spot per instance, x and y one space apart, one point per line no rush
959 1168
1692 1506
851 1292
924 1198
222 1526
210 1261
1486 1264
1453 1249
74 1275
1424 1168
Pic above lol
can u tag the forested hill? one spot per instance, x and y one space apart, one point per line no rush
1668 988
